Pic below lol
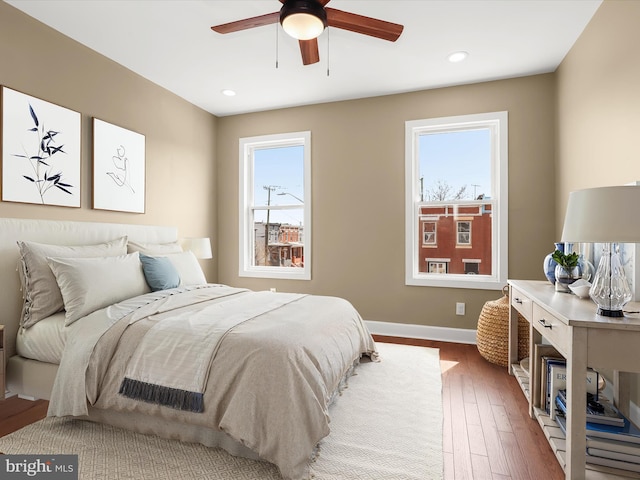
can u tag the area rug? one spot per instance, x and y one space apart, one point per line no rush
387 425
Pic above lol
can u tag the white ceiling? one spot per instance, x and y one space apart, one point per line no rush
170 42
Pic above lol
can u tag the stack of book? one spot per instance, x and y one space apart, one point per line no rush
554 379
612 440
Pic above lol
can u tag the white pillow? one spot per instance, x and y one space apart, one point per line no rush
41 292
89 284
188 268
153 248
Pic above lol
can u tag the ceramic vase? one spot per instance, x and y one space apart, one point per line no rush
549 264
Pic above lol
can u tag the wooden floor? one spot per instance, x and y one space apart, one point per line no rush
488 434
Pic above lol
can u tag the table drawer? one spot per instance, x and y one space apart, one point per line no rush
552 328
521 303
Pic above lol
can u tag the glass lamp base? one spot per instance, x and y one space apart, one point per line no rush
610 313
609 289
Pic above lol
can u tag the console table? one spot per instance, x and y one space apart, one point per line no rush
573 328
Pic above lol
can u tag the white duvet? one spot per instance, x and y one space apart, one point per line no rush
269 385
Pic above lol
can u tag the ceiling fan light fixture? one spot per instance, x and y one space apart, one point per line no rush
303 19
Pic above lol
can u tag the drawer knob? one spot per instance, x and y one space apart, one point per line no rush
544 323
517 300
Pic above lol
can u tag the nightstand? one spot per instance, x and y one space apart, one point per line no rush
2 387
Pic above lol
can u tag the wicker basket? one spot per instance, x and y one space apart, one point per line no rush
493 332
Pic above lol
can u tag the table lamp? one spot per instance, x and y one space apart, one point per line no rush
201 247
607 215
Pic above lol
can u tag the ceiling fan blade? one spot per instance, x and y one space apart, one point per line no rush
309 51
365 25
247 23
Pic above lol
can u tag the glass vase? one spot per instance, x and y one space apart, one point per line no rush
565 277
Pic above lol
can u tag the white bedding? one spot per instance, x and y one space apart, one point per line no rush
43 341
269 383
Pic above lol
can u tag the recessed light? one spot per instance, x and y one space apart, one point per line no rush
228 92
457 56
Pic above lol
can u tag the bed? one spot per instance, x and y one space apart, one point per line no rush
129 350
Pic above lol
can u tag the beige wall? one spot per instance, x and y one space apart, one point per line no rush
560 140
599 112
358 194
599 104
180 138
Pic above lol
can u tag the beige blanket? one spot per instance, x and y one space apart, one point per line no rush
170 365
270 383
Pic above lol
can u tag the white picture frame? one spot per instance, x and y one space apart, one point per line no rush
118 168
41 151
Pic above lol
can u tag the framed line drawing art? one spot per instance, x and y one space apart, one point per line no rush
118 168
40 151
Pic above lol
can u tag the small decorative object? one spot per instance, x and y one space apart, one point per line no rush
580 288
118 168
567 269
549 264
40 151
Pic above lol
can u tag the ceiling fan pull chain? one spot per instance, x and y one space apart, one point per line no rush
327 52
277 35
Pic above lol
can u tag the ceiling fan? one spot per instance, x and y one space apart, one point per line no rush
305 20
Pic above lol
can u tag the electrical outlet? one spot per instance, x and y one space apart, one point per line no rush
459 308
272 289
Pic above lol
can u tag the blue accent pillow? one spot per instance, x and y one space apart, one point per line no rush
159 272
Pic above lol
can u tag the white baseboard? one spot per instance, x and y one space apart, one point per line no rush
423 332
27 397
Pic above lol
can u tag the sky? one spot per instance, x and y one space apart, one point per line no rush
458 159
455 158
282 169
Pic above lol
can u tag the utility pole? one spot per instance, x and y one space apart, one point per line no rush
474 190
269 189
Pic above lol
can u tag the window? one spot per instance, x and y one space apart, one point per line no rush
464 233
437 266
275 206
471 267
456 185
429 233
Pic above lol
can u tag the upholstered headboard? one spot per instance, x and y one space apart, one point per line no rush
58 233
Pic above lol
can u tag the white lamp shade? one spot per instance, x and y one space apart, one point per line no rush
201 247
603 215
303 26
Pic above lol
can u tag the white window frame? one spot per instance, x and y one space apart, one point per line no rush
458 232
246 206
497 122
434 232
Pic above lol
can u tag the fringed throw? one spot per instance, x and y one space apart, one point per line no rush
167 396
171 364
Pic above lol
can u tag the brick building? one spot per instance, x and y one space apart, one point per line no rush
285 247
455 239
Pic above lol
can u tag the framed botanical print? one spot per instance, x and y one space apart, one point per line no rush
40 151
118 168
